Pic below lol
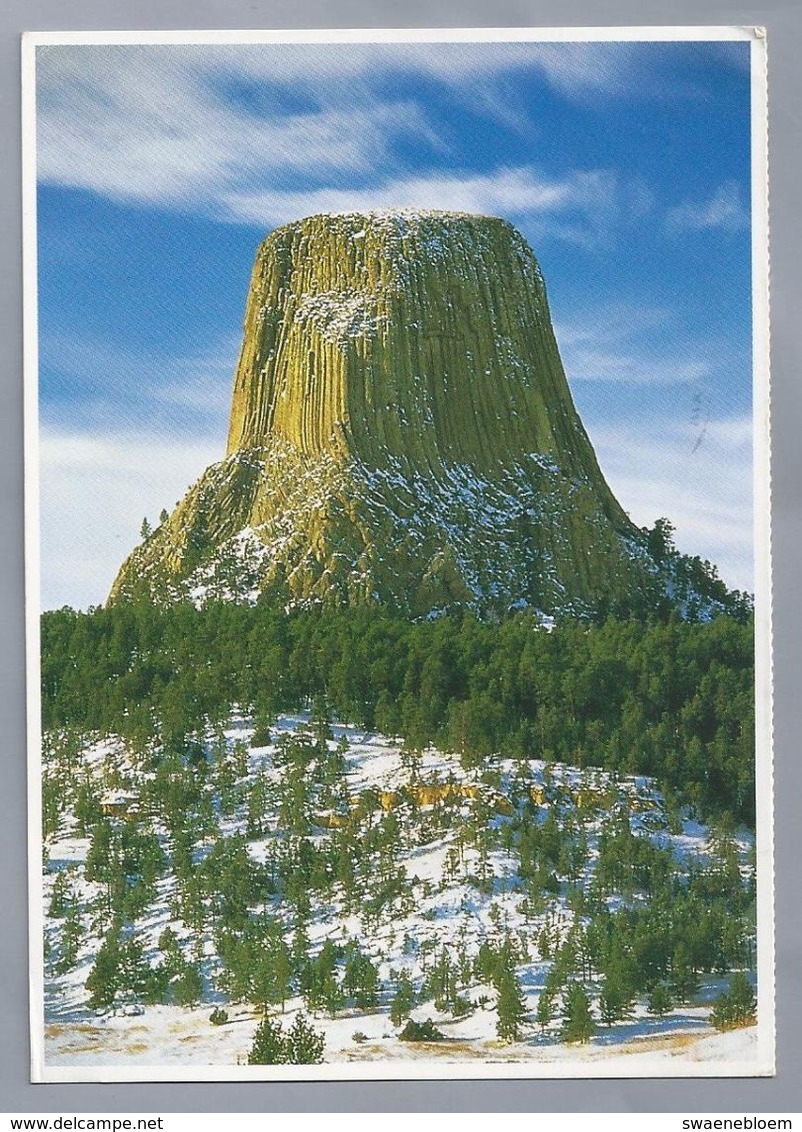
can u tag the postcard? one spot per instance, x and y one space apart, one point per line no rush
397 520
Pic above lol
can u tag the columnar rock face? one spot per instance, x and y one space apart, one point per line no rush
401 432
425 337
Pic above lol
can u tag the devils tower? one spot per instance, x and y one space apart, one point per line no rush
401 433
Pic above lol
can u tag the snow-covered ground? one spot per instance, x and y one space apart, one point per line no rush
456 897
170 1035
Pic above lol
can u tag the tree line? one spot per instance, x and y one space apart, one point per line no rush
668 698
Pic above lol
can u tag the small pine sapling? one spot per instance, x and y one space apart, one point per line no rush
511 1007
578 1024
660 1002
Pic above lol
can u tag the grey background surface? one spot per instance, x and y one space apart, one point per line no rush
783 19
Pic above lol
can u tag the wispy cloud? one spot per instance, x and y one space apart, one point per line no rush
635 369
579 70
633 345
584 72
95 491
724 210
90 383
582 207
264 134
704 489
663 451
156 126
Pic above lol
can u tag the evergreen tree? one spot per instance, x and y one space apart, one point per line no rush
484 965
511 1007
403 999
269 1046
71 936
263 717
282 972
188 989
52 805
442 981
104 980
170 947
299 951
737 1006
577 1024
304 1045
660 1002
361 978
269 970
615 1000
301 1045
60 896
257 807
320 981
545 1009
743 1004
684 980
135 972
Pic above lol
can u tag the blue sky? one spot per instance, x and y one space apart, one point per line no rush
161 168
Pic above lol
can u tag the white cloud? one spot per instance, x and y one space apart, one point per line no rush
579 70
94 494
736 432
510 190
724 210
699 476
614 322
97 384
629 345
582 208
696 469
233 132
115 457
635 369
154 125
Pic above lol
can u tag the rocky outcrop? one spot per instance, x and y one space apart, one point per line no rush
401 432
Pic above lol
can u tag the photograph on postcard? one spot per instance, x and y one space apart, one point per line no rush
392 679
